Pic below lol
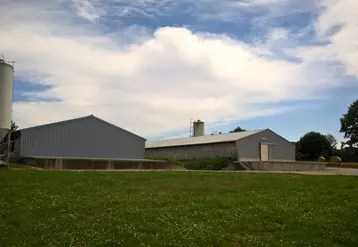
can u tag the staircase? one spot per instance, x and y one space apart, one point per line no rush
244 165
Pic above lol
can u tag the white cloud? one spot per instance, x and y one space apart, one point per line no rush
88 9
344 43
224 10
93 9
155 85
338 26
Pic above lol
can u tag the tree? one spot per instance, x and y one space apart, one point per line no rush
332 140
312 145
13 126
237 129
349 124
347 154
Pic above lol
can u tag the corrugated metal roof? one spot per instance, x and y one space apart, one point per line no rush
201 139
81 118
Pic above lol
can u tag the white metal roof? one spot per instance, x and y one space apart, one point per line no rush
201 139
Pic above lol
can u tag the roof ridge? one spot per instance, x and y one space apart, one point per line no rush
113 125
62 121
191 137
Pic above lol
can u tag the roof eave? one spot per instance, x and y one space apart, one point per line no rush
194 144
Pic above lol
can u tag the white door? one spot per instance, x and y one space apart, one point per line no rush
264 156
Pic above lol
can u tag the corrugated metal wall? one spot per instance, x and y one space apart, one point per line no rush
85 137
227 149
248 147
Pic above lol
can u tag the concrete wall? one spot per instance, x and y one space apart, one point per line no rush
194 151
99 164
248 148
84 137
287 166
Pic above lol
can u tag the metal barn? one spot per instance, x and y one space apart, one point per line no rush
86 137
258 145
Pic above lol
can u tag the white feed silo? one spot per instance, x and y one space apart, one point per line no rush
6 87
198 127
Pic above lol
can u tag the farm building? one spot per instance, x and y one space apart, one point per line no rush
258 145
86 137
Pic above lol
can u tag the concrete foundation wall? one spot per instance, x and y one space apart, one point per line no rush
195 151
78 164
286 166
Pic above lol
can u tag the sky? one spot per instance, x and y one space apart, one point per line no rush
149 66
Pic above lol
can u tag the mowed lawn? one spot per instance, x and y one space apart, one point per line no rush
69 208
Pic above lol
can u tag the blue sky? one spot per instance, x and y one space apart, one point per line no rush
149 66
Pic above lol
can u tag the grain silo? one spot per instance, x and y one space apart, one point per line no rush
198 127
6 88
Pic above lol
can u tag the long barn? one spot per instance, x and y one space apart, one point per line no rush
85 137
257 145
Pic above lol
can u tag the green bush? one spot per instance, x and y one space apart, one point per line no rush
175 162
217 163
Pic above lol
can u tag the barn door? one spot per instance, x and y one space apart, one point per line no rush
264 152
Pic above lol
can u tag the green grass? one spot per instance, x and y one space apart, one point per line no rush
64 208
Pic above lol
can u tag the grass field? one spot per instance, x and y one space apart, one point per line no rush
62 208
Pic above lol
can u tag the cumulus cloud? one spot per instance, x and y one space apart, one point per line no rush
155 85
343 16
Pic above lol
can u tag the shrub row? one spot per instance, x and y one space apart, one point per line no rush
175 162
217 163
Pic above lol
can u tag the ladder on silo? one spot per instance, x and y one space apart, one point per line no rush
191 127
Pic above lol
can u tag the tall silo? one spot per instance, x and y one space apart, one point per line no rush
6 88
198 128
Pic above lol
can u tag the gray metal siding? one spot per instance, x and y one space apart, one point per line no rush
86 137
248 148
194 151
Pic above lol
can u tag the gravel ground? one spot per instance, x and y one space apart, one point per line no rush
334 171
328 171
